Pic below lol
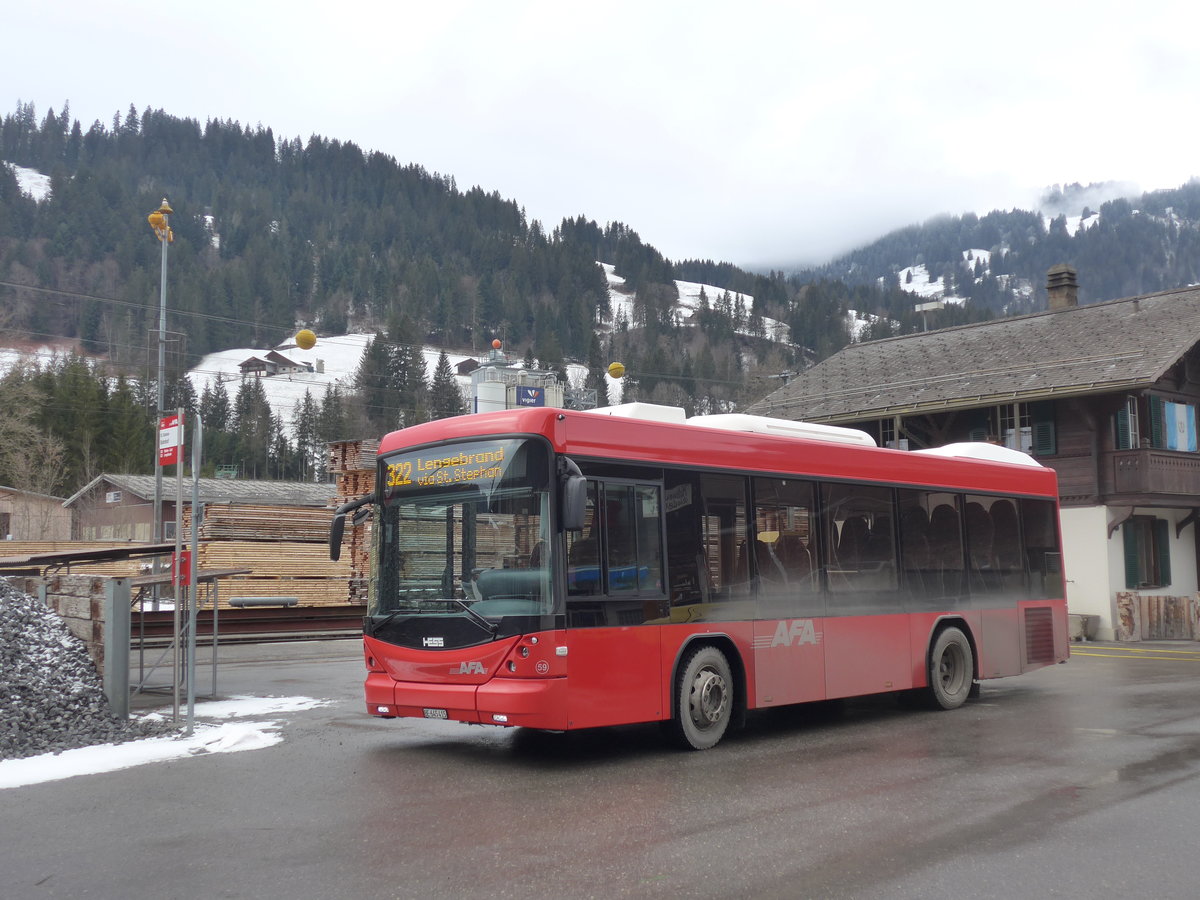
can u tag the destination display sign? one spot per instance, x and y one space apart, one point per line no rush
477 463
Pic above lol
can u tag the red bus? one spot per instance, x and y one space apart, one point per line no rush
558 570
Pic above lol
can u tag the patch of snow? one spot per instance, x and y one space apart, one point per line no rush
209 737
621 299
32 182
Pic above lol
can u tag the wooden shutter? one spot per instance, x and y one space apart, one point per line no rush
1124 439
1129 532
1045 441
1158 437
1162 550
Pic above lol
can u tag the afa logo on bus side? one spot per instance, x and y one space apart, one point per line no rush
797 632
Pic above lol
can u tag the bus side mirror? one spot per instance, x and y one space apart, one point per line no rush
574 502
336 528
360 508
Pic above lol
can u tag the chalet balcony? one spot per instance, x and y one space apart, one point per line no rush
1149 473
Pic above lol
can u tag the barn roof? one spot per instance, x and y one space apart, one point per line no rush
220 490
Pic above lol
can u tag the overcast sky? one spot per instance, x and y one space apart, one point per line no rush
759 133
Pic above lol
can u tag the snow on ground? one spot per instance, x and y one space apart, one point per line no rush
41 354
32 182
214 733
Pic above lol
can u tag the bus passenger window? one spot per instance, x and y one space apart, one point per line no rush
860 546
1042 554
786 574
994 546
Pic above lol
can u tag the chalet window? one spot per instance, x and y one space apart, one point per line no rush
1172 425
1147 552
1028 427
887 435
1125 426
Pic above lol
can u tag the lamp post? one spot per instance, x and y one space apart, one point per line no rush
159 221
161 224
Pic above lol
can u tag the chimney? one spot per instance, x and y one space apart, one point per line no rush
1062 287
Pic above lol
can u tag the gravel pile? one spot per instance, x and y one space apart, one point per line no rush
51 698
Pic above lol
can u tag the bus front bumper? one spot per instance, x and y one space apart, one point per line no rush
527 702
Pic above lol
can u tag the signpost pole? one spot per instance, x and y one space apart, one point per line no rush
170 452
193 594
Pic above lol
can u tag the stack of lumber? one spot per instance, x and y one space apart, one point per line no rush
353 462
353 456
279 569
248 522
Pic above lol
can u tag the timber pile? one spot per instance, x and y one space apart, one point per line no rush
353 456
286 549
247 522
281 569
353 462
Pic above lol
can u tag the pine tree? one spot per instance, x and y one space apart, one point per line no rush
305 425
445 399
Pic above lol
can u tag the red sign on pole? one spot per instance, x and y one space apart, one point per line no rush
170 440
181 568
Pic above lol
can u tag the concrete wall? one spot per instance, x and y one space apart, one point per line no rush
79 600
1086 562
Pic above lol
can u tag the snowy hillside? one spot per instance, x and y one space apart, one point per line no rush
334 360
621 301
32 182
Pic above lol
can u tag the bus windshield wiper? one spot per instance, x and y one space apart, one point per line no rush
490 627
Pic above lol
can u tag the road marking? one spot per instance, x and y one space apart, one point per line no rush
1169 655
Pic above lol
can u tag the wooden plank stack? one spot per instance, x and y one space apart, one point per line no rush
248 522
353 462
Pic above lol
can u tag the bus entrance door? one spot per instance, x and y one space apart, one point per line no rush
789 661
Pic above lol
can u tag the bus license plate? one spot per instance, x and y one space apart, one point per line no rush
435 714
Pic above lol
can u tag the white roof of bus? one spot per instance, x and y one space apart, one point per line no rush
984 451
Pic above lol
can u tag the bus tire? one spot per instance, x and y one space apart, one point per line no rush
951 669
703 699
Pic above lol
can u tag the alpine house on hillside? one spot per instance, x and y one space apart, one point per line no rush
1105 394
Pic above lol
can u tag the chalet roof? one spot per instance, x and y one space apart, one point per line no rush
220 490
1100 348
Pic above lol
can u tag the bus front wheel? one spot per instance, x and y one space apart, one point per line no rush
704 699
951 669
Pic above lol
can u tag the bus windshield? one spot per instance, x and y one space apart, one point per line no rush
464 529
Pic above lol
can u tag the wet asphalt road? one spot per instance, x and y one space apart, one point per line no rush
1077 781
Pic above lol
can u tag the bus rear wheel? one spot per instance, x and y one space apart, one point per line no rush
951 669
704 700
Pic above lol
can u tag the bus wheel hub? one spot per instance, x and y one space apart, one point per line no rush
708 698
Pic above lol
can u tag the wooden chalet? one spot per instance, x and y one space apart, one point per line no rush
1105 394
272 363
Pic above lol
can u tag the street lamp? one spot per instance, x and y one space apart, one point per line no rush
159 221
161 224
